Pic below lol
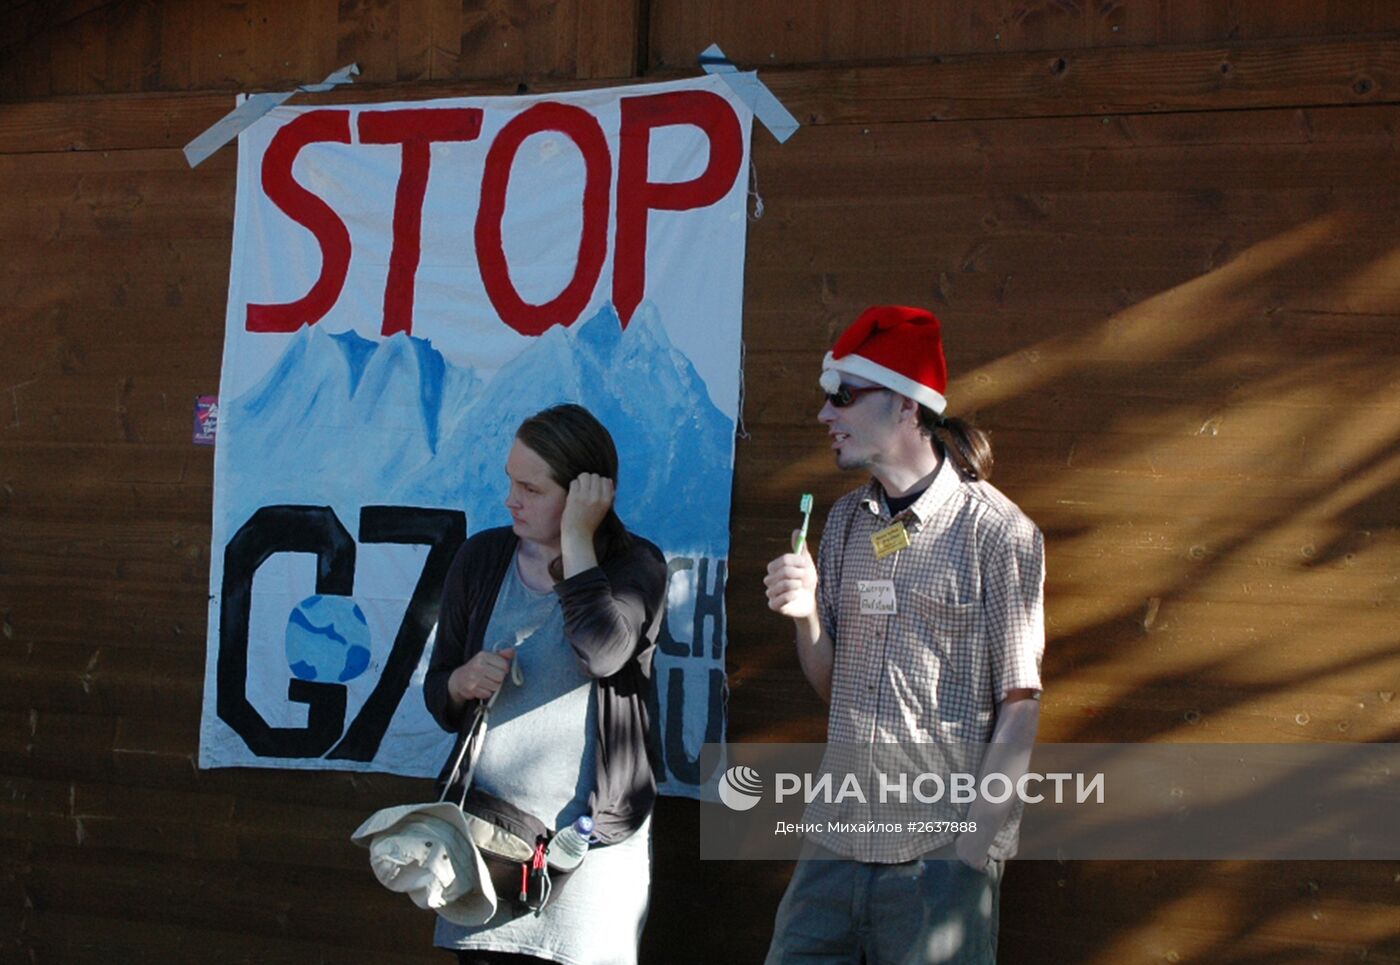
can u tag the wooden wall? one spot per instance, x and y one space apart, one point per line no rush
1161 237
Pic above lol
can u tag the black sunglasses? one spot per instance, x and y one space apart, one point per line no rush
847 394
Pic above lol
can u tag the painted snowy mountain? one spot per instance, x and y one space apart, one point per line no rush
337 419
349 421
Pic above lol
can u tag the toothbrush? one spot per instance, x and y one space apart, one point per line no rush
805 506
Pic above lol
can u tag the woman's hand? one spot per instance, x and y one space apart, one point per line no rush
481 676
590 497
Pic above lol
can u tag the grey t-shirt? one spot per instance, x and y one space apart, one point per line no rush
540 751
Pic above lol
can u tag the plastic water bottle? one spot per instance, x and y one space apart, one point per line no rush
569 846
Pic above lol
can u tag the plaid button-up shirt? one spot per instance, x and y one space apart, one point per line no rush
968 628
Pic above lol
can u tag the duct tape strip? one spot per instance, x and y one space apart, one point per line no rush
250 110
752 91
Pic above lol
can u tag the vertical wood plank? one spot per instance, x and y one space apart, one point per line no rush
1351 16
666 25
177 30
42 48
1048 24
415 41
68 46
367 33
921 20
547 30
291 44
219 46
127 52
1281 18
952 26
430 39
514 38
1385 15
608 41
1195 21
1115 23
1361 16
485 48
26 72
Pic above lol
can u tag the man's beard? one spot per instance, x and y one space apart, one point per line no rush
851 463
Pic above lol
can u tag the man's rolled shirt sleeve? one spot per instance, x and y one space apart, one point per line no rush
828 580
1013 598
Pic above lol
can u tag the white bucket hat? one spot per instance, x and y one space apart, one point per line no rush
426 852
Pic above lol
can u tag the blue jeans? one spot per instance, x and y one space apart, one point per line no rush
933 910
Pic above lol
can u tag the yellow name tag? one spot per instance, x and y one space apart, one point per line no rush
889 540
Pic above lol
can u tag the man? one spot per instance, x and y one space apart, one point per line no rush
920 623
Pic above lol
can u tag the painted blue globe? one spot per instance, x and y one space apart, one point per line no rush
328 639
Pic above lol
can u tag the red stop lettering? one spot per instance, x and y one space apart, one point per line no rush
416 129
312 213
637 196
565 308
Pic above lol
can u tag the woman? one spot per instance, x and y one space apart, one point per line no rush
569 604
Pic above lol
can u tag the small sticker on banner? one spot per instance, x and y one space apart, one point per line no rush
206 419
877 597
889 540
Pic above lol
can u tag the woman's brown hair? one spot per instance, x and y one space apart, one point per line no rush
572 441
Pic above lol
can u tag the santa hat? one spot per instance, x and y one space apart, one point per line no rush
894 346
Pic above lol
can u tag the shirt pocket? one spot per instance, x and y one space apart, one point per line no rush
950 627
957 663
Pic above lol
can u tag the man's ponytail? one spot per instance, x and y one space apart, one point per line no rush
969 446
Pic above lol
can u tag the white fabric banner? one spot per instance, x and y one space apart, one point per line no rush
408 283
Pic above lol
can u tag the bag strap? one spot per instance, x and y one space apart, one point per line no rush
475 735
